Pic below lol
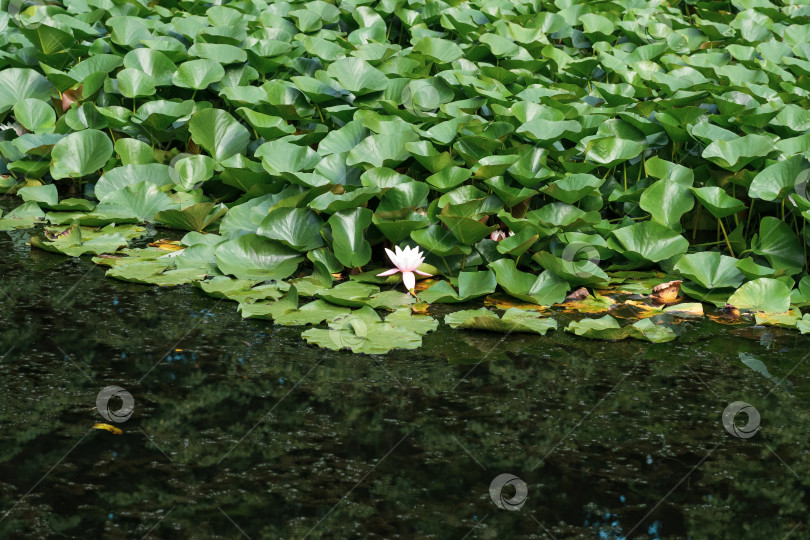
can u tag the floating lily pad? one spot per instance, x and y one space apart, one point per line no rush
513 320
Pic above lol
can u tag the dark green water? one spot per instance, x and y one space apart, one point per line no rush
249 432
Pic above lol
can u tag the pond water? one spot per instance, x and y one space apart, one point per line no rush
240 429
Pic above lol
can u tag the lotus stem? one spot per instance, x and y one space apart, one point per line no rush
723 228
446 265
750 213
9 170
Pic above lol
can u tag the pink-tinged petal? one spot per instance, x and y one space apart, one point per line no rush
389 272
409 280
393 256
422 273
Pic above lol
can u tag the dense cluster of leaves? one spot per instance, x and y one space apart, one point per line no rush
623 135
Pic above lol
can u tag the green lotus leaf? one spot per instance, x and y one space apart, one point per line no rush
448 178
518 244
437 49
418 324
286 312
134 83
195 217
134 152
24 216
190 171
160 114
154 63
35 115
763 295
576 271
198 74
348 240
97 64
545 290
647 330
218 52
120 177
85 116
383 150
710 270
17 84
609 151
490 166
717 201
739 152
573 188
778 180
251 256
219 133
298 228
400 200
513 320
142 200
46 195
283 157
439 241
666 170
362 331
244 291
75 240
778 243
548 131
397 230
470 285
383 178
80 154
650 241
605 327
357 76
667 202
269 127
467 230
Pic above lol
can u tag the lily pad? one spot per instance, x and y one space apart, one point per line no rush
513 320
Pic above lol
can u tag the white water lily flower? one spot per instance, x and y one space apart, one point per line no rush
406 261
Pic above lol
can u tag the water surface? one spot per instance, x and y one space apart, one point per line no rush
241 429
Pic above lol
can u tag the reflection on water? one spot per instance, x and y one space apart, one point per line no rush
241 429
